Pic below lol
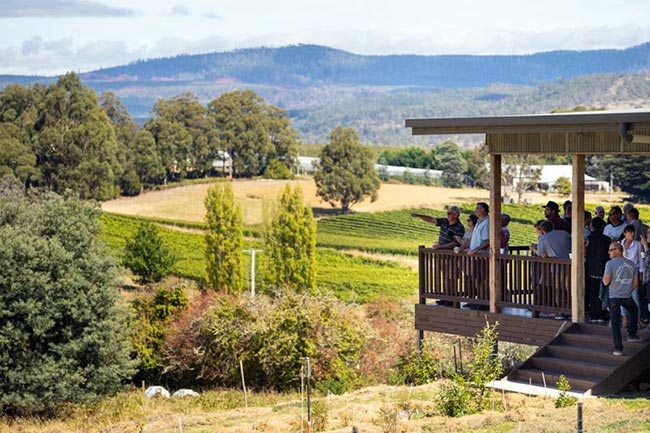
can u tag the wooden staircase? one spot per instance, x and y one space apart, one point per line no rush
583 354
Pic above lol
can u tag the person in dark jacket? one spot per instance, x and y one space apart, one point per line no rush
596 255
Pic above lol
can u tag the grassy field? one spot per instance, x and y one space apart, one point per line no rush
185 203
371 410
350 276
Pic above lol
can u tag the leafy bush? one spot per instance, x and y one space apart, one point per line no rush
270 336
470 394
454 398
147 256
319 415
563 186
277 170
390 337
513 354
388 418
563 399
153 315
419 367
484 366
62 334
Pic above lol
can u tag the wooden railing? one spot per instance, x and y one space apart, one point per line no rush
449 276
529 282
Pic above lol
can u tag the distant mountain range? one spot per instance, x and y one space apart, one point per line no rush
307 78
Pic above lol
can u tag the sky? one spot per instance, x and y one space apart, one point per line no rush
49 37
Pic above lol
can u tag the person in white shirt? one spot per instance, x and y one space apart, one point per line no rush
632 250
481 235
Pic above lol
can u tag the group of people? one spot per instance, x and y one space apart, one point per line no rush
473 239
617 254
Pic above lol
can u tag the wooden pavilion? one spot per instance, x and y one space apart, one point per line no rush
513 282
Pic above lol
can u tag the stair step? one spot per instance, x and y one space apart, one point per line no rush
602 355
589 341
537 377
568 367
587 328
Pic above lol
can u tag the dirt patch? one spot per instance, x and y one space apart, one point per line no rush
409 262
186 202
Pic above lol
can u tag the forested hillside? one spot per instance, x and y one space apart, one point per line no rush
309 65
323 88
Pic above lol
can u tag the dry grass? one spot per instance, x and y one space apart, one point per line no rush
413 409
186 202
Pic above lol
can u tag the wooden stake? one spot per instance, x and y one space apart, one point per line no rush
243 382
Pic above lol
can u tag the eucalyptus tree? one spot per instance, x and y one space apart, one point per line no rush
75 142
346 174
184 136
253 133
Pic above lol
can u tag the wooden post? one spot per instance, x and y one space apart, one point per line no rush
578 240
495 232
243 382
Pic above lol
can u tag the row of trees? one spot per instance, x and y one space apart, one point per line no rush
459 166
63 137
289 242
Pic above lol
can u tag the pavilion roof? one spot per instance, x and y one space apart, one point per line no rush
592 132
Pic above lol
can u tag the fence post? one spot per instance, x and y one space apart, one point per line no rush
580 417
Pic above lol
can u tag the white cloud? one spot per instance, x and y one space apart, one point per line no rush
38 54
180 10
59 8
32 46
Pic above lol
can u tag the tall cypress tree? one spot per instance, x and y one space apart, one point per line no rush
291 243
224 240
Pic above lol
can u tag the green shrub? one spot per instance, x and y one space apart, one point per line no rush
146 255
470 394
454 398
130 183
513 354
319 415
484 366
277 170
563 399
153 315
563 186
388 418
63 336
418 367
271 336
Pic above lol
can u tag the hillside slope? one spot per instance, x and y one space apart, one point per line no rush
309 65
323 87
